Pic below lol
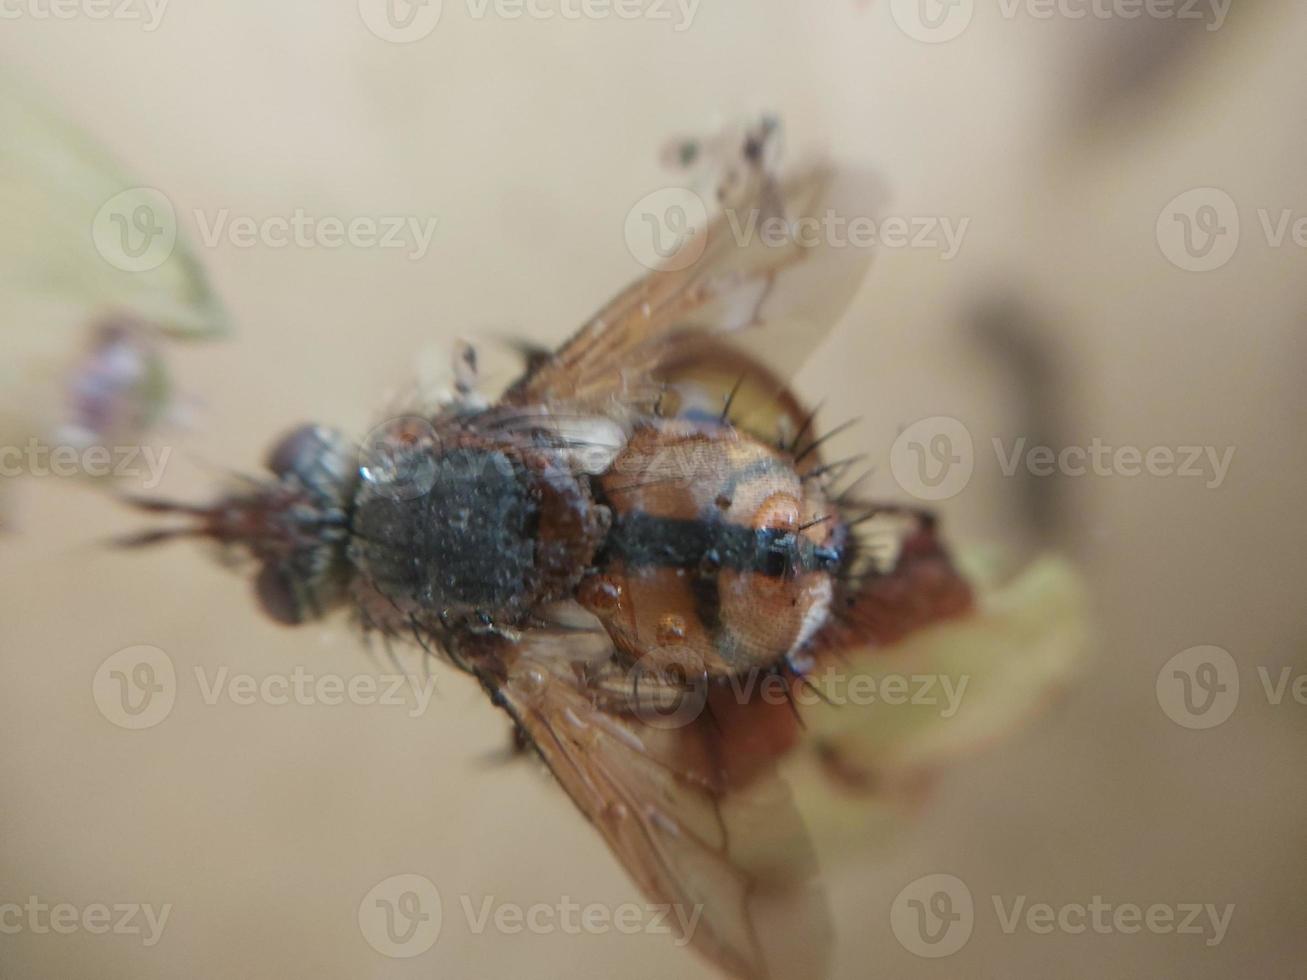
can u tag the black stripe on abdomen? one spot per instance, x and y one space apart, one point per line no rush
640 540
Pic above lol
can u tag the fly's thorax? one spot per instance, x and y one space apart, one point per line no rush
472 531
721 557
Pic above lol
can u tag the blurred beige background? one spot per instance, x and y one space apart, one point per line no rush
529 140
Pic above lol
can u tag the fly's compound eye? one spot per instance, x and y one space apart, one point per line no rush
319 459
277 596
299 449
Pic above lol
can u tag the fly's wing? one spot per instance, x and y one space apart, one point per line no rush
688 801
64 269
718 805
769 271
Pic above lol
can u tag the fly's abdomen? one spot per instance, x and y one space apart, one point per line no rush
720 559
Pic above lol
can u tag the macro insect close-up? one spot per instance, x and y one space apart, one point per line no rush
634 490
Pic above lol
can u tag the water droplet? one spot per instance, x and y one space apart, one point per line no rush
600 594
710 563
529 682
617 811
671 629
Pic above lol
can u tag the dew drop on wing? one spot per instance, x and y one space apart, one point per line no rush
616 810
529 683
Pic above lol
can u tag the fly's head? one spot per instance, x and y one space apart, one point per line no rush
295 524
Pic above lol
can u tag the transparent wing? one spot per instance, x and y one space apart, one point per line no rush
62 275
770 269
719 805
689 803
